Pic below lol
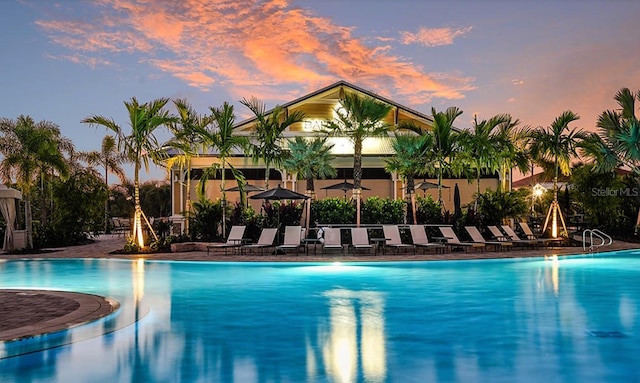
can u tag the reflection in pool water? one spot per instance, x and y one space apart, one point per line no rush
560 320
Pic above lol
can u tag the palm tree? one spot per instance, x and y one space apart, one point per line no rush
513 143
557 144
139 145
480 146
409 161
310 159
618 139
111 160
184 146
268 134
222 139
27 148
358 118
445 143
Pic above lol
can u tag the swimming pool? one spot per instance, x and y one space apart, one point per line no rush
572 319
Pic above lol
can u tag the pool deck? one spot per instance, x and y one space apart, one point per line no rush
27 313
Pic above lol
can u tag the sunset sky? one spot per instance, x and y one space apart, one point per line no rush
65 60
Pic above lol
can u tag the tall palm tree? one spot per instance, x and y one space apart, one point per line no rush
445 143
480 147
557 144
409 161
513 144
140 145
221 139
357 118
618 138
310 159
111 160
27 148
184 145
268 134
617 141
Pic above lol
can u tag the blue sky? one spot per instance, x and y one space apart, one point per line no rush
65 60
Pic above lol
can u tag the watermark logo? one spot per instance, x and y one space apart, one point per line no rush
612 192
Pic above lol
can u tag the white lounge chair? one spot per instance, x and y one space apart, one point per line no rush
234 240
476 236
453 241
530 235
332 240
292 239
534 242
360 239
267 237
420 239
393 239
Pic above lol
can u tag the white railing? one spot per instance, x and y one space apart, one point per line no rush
604 238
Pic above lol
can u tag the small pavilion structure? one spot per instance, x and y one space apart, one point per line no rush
8 198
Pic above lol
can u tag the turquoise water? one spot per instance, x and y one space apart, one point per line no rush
535 320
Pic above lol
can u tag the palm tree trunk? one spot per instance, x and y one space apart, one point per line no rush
28 221
187 204
440 185
224 202
475 204
357 177
106 203
137 217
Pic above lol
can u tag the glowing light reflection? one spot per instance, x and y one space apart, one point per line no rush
341 352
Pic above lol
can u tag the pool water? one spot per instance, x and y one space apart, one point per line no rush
572 319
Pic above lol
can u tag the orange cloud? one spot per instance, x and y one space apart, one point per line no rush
252 45
432 37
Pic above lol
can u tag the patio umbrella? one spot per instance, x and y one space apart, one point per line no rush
8 197
344 186
426 185
248 188
279 193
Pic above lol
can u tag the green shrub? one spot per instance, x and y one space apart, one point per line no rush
333 210
205 220
496 206
382 211
428 210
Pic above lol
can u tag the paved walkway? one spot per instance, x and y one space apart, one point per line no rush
28 313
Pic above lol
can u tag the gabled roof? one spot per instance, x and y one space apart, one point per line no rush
331 95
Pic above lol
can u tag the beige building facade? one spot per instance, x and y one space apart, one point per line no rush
318 107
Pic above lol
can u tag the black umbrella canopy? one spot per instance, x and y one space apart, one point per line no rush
344 186
425 185
247 188
279 193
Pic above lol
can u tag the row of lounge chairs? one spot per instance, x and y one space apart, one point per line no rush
294 240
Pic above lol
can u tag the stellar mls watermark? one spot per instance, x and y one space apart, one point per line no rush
620 192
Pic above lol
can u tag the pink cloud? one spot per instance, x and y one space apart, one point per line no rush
432 37
251 45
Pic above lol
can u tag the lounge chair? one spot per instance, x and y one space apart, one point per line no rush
393 240
360 239
498 235
332 240
476 236
292 239
534 242
267 237
530 235
234 240
420 239
453 241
